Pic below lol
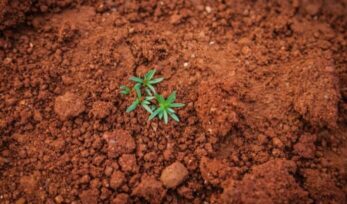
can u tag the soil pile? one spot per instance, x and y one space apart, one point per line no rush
14 12
264 83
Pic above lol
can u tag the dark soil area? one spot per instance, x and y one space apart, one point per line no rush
264 83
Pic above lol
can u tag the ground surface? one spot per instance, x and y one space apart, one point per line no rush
264 83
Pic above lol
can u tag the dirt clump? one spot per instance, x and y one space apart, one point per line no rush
317 107
322 189
128 163
29 184
150 189
216 108
89 196
312 7
215 171
68 106
119 142
174 175
270 182
117 179
101 109
121 198
306 147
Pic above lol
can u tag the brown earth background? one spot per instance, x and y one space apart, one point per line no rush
264 83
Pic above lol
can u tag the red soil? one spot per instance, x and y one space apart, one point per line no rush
264 83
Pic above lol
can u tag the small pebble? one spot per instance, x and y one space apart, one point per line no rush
208 9
59 199
174 175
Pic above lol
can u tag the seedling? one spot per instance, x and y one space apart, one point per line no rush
124 90
165 108
162 108
144 102
148 82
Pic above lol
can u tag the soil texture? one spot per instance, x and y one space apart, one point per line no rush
264 83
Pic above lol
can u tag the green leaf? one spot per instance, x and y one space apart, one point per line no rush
174 116
148 98
160 98
136 79
176 105
166 118
124 90
145 102
172 97
137 86
147 108
170 110
155 81
151 88
155 113
133 106
137 90
148 92
161 115
149 75
123 87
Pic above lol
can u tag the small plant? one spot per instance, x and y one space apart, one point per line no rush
161 107
165 108
144 102
148 82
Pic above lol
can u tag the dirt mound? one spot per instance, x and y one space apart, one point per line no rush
264 85
323 189
270 182
14 12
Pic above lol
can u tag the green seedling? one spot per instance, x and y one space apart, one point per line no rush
124 90
161 108
143 101
165 108
148 82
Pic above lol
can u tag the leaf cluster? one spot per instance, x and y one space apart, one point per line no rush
152 102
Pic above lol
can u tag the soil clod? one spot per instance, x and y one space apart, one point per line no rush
150 189
119 142
68 105
174 175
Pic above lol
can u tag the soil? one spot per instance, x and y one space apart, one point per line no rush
264 83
